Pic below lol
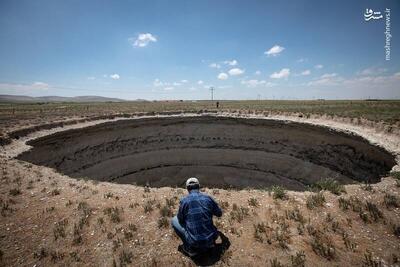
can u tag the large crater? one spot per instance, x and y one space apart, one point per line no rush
221 151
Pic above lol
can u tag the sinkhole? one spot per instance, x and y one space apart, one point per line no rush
223 152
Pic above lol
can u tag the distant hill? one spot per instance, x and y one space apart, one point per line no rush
90 98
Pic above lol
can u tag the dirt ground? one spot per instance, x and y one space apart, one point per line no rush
50 219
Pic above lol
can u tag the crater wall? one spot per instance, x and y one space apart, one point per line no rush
220 151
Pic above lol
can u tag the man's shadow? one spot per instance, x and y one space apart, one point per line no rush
211 256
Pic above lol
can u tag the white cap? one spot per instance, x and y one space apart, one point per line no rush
192 181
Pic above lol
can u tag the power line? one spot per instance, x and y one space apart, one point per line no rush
212 89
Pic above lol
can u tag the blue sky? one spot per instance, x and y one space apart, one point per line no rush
178 49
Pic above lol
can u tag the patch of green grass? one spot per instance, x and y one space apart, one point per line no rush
148 206
370 260
253 202
276 263
278 192
85 212
125 258
330 185
391 201
171 202
367 187
59 229
295 215
323 245
166 211
298 260
260 231
77 235
113 213
315 200
356 204
344 203
350 245
238 213
374 211
282 234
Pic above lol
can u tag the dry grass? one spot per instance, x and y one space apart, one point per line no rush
391 201
315 200
374 211
15 192
113 214
253 202
238 213
279 192
330 185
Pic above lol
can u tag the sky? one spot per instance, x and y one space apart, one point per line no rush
159 50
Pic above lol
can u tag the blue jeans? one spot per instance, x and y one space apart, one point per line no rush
179 230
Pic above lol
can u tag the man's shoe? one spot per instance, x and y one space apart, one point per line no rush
188 251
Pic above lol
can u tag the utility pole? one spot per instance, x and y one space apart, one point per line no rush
212 93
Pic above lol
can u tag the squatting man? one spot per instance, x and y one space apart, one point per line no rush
193 223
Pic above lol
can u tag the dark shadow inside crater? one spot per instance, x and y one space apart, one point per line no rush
221 151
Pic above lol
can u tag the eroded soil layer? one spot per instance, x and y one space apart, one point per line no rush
222 152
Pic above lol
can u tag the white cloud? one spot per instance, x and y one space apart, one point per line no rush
372 71
235 71
170 88
257 72
192 89
274 51
365 83
200 82
328 75
224 86
114 76
16 88
91 78
222 76
306 72
252 83
142 40
157 83
184 81
231 62
215 66
40 85
319 66
326 79
283 73
301 60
